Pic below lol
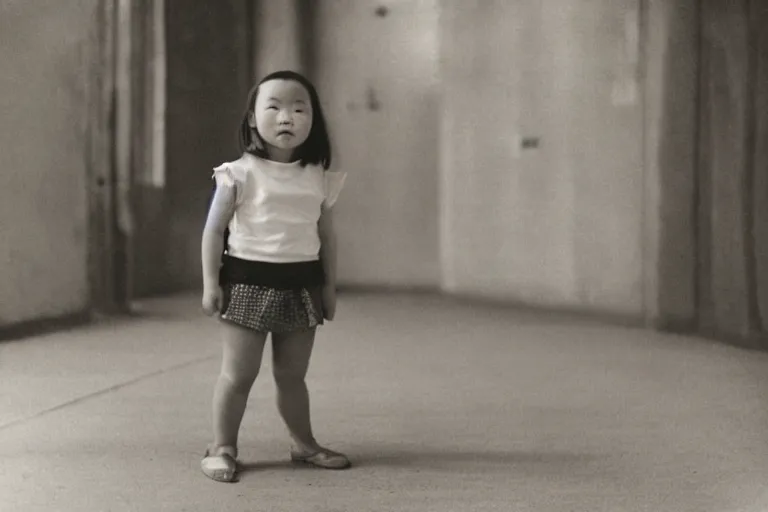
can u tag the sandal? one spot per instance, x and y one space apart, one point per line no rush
323 458
221 467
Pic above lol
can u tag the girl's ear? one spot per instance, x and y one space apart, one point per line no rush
251 119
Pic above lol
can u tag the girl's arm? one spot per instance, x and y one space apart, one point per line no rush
328 246
221 212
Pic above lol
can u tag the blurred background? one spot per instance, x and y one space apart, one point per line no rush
607 157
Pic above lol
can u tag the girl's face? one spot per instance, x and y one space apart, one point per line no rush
283 116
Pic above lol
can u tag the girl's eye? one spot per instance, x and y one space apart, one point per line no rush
272 108
299 111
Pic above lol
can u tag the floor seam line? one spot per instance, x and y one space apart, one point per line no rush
105 391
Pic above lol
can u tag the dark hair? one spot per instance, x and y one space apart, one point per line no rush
315 150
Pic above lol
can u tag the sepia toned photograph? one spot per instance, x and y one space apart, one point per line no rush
384 256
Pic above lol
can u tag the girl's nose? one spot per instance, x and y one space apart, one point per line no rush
283 117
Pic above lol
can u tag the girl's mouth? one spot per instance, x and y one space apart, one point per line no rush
284 132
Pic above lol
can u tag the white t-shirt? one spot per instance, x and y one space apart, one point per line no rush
277 208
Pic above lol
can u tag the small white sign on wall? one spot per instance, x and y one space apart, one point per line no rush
625 86
624 92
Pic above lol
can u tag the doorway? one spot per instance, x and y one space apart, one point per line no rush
208 53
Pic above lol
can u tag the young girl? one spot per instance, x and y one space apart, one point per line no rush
269 263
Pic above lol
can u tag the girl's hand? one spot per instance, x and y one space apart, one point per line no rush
329 302
212 300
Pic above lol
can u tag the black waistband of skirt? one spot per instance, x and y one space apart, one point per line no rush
281 276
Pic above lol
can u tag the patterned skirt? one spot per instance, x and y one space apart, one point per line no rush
266 309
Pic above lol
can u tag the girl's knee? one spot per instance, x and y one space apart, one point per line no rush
288 377
238 382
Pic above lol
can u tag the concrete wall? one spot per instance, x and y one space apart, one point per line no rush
558 225
45 49
377 75
597 217
276 37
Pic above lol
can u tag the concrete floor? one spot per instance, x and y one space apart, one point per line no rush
441 406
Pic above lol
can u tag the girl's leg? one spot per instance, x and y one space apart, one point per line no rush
240 365
291 353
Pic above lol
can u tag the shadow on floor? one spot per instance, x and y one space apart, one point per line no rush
445 460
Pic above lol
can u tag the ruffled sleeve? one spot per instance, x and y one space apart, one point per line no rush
229 175
334 182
